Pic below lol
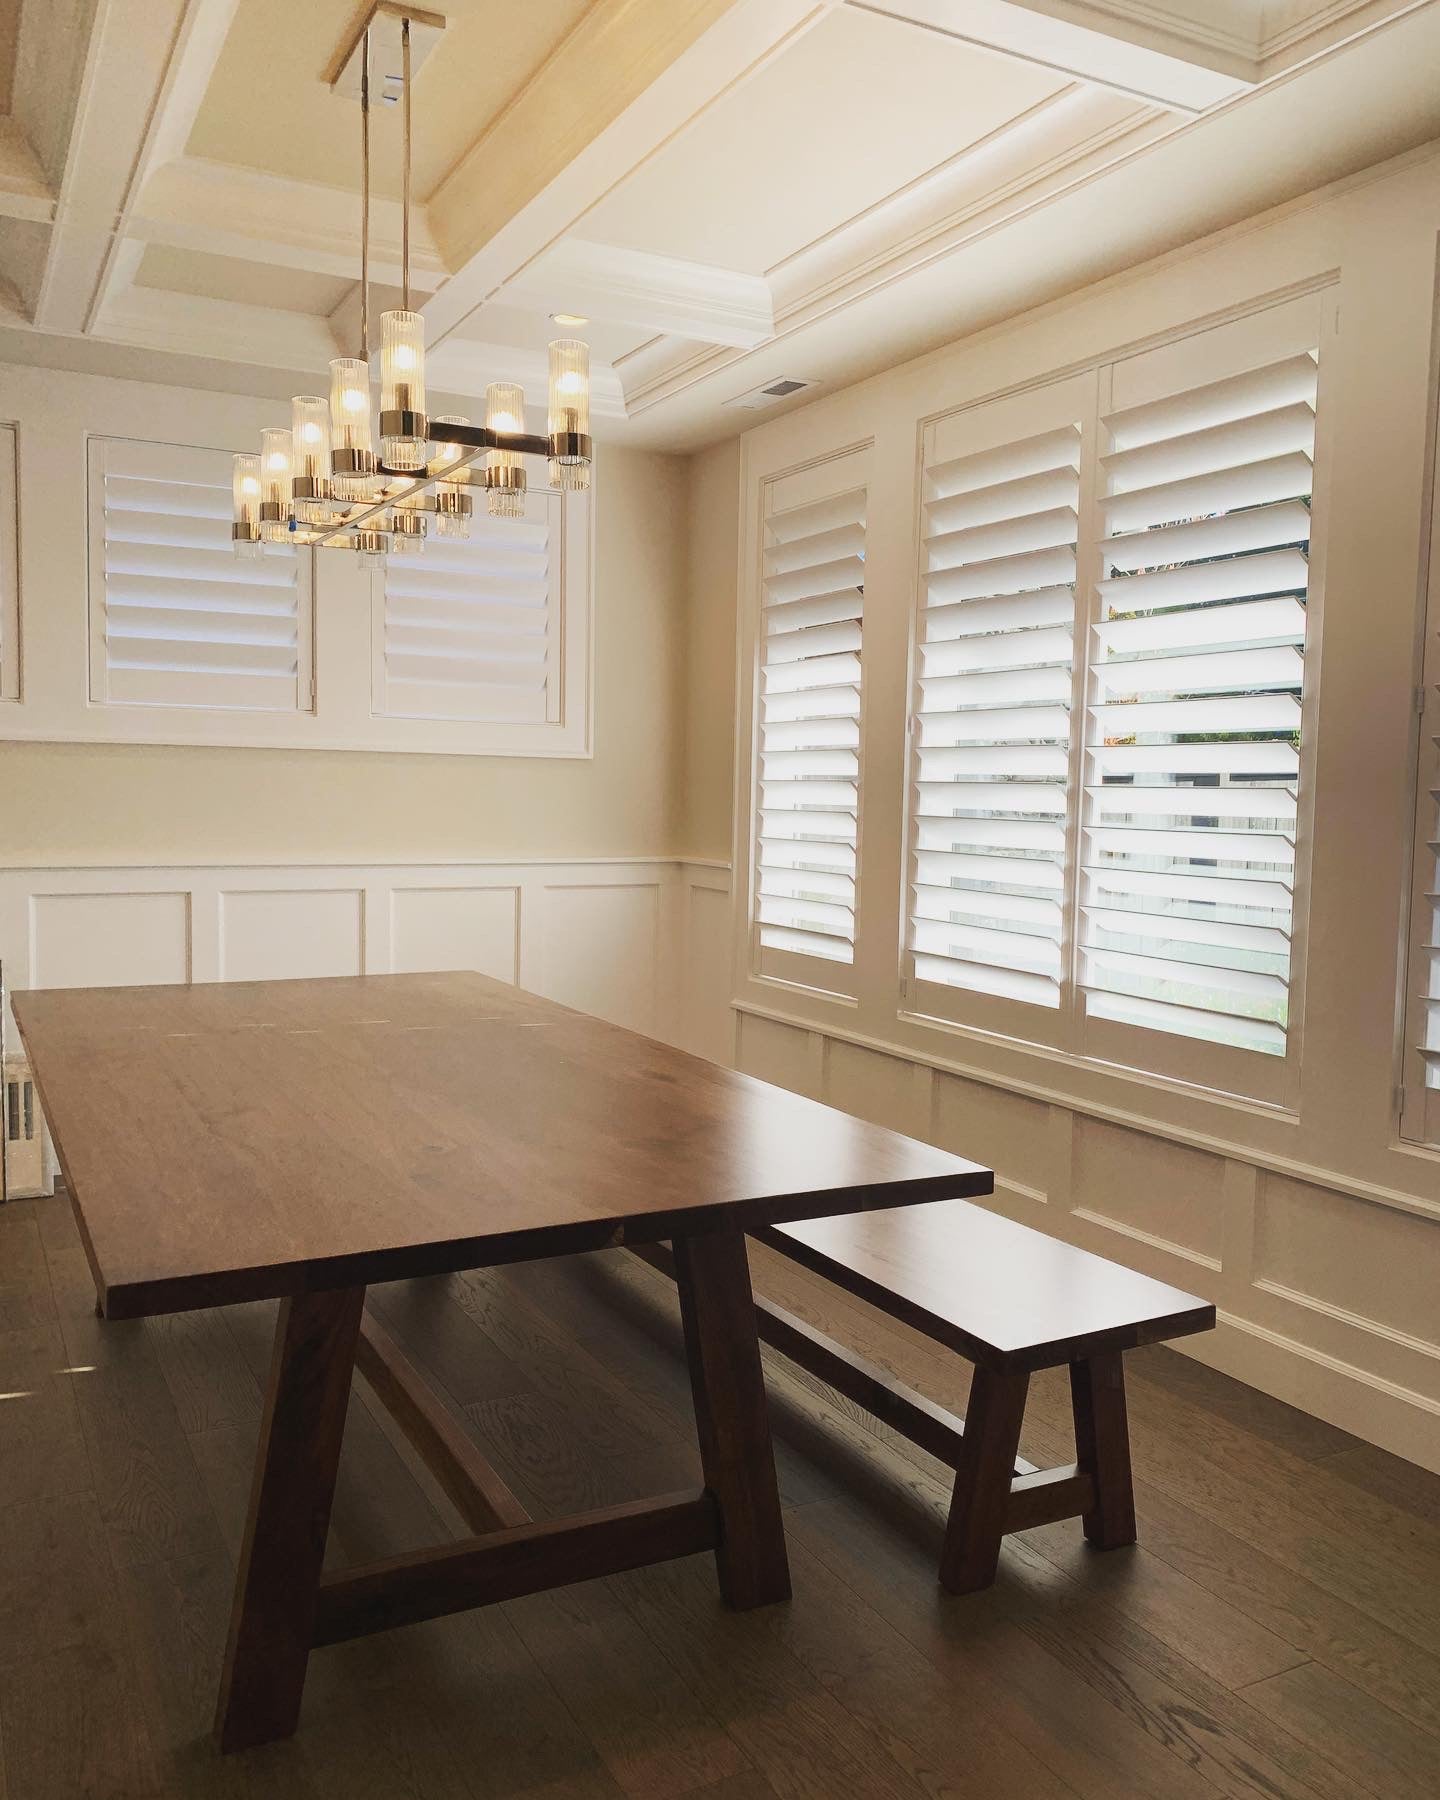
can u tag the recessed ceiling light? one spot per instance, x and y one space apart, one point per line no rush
569 319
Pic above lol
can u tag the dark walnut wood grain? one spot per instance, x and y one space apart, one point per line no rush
239 1141
1002 1295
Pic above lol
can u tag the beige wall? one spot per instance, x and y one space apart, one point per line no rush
708 701
79 803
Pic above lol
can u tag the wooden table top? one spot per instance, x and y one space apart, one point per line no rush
240 1140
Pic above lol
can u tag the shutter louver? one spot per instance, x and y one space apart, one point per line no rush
467 626
1188 850
992 739
809 738
183 621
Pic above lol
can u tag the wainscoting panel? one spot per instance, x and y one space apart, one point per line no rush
107 940
281 934
456 927
603 951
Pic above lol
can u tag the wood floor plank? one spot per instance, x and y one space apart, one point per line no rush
57 1584
210 1382
1207 1393
1326 1628
74 1729
1098 1718
654 1735
1372 1749
629 1313
437 1331
801 1738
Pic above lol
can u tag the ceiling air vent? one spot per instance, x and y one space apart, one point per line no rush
772 391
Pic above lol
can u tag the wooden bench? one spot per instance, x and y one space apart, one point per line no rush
1010 1300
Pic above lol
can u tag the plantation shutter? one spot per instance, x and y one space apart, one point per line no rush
177 619
9 569
813 597
992 733
1193 753
469 630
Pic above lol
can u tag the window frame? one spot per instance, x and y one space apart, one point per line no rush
1069 1030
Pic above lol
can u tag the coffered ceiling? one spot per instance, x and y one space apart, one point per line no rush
731 191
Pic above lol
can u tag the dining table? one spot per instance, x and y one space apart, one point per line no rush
300 1140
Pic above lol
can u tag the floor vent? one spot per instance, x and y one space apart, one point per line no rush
772 392
27 1169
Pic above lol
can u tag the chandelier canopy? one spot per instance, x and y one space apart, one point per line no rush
323 482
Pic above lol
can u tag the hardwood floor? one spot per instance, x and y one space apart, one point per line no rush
1275 1634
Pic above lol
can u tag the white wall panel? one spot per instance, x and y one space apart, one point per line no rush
456 928
602 951
1015 1136
108 940
279 934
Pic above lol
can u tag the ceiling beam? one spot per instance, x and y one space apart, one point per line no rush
145 73
628 79
1185 56
231 210
656 293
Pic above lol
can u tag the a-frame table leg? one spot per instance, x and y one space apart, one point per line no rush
731 1416
273 1622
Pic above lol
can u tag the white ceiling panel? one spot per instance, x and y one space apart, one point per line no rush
850 112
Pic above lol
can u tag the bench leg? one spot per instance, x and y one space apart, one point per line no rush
1102 1447
982 1480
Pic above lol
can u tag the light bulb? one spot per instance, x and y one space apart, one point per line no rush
310 439
569 413
275 464
504 471
352 453
402 390
245 495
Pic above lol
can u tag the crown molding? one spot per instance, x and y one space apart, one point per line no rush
228 209
658 293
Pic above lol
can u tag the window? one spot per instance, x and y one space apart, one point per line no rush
154 631
9 569
992 734
813 599
1106 823
176 618
468 630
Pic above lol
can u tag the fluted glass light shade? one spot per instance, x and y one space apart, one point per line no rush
275 470
407 524
569 419
504 471
402 390
352 449
310 440
452 492
245 491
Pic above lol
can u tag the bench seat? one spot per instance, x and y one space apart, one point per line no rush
1011 1300
1002 1295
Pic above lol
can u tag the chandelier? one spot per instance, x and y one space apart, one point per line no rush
322 482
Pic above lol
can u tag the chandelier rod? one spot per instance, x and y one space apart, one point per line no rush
365 198
405 172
